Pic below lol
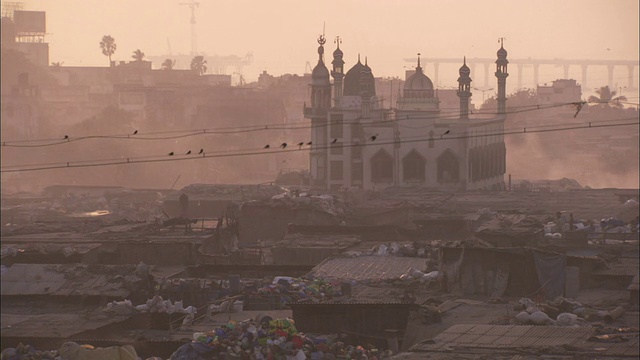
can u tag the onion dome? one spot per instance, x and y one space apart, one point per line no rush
464 69
367 81
418 81
320 73
352 79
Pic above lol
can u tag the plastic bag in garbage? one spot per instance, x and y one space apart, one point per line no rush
567 319
540 318
523 317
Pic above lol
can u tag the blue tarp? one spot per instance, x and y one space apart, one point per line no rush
550 269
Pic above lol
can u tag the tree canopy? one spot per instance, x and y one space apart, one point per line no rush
108 46
198 64
138 55
607 97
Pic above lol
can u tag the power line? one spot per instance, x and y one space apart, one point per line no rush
266 127
250 152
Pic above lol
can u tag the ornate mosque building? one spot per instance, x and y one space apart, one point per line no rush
358 144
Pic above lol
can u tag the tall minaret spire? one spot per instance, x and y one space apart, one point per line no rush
502 74
464 89
337 72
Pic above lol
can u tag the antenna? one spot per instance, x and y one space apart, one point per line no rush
193 5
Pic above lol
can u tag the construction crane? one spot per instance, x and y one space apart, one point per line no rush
193 5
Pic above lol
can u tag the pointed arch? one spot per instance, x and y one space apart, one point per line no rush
381 166
448 167
413 166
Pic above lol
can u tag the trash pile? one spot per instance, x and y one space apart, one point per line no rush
266 338
395 249
234 192
154 305
324 203
295 289
70 351
562 312
22 351
419 276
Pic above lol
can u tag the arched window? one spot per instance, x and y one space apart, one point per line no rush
382 167
448 168
413 167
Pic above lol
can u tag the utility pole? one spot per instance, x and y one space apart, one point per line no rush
193 5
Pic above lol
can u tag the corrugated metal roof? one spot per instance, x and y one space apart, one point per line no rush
46 279
480 338
358 301
366 268
52 325
634 283
620 267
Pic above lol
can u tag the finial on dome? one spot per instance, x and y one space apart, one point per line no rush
365 60
464 61
337 41
359 58
418 59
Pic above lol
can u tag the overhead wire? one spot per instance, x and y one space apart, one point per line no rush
251 152
263 127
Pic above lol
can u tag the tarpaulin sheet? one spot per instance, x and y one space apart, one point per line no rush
550 269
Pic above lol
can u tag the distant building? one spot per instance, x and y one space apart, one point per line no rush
359 143
561 91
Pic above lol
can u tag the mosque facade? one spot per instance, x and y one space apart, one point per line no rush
356 143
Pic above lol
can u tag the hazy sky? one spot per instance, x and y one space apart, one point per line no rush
282 34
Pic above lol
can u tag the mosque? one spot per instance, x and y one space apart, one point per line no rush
356 143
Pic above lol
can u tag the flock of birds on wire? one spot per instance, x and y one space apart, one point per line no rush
282 146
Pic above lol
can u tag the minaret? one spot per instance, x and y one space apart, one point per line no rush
501 74
464 89
320 84
366 89
320 105
338 72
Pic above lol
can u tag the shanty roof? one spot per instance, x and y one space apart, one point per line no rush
49 248
620 267
52 325
356 301
366 268
634 283
45 279
470 338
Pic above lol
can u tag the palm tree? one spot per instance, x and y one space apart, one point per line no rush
138 55
607 97
168 64
108 45
198 64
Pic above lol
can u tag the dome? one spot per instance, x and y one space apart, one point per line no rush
464 69
418 81
337 53
320 75
367 81
352 80
502 53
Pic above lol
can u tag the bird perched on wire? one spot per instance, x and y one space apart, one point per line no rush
283 145
373 137
578 108
446 132
201 151
267 146
309 143
171 153
300 145
334 141
189 152
135 132
66 137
